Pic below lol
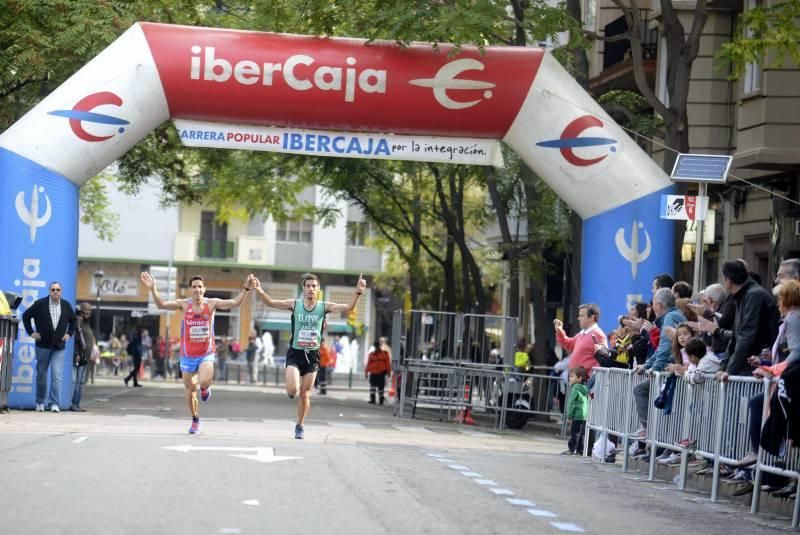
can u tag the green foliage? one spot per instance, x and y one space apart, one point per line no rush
94 207
46 41
764 32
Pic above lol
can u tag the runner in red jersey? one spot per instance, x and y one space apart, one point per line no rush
198 351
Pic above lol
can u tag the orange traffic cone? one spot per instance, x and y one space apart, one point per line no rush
465 416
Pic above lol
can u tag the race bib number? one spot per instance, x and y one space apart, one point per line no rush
198 332
307 338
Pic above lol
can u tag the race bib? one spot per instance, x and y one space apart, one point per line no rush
198 332
307 338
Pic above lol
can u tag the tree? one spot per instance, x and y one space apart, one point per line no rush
764 31
682 48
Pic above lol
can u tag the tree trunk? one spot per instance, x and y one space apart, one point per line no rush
510 250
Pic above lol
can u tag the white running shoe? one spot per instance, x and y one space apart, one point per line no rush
40 407
54 408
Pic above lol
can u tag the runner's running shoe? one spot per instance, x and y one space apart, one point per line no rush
195 428
205 393
298 432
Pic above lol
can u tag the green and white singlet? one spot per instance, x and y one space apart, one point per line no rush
307 326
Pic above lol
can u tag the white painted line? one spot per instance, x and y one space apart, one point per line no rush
347 425
487 482
80 439
409 429
518 501
251 502
471 474
542 512
435 455
502 492
566 526
458 467
477 434
230 530
443 460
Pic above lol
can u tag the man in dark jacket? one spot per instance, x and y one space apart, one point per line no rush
84 344
53 324
756 323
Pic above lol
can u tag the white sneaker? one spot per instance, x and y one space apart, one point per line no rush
40 407
672 458
640 434
54 408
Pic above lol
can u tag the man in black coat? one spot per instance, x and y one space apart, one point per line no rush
756 323
54 323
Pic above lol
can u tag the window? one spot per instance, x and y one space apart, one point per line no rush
589 14
752 71
213 237
294 231
358 232
663 94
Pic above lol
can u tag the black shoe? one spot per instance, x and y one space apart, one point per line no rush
786 491
371 402
382 400
137 385
126 381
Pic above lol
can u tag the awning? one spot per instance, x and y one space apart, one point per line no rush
275 325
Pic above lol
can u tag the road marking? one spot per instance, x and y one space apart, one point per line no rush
347 425
435 455
80 439
458 467
477 434
471 474
518 501
487 482
542 512
566 526
262 455
251 502
230 530
502 492
443 460
410 429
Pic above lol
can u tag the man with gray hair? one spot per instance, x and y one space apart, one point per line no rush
667 316
715 317
789 269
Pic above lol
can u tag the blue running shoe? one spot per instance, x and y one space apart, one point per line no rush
195 428
298 432
205 393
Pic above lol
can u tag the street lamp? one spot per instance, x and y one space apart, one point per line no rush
98 278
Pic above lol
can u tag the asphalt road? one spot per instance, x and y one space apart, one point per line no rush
129 466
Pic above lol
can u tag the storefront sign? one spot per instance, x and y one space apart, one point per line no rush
117 287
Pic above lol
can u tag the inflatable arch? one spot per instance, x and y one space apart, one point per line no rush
203 76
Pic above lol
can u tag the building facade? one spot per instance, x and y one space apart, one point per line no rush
190 240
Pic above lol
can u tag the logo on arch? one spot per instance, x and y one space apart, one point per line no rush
83 112
593 149
446 79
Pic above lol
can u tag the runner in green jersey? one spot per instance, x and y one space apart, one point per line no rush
302 358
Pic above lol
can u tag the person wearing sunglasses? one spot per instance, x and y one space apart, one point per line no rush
51 322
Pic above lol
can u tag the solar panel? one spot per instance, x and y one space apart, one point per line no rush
711 168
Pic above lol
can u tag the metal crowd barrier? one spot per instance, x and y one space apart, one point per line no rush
8 334
712 417
450 336
466 387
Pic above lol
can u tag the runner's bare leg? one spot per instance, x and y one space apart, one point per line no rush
190 387
292 381
205 374
304 402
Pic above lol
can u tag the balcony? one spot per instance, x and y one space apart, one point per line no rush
215 250
617 70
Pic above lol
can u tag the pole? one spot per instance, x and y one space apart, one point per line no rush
97 314
698 251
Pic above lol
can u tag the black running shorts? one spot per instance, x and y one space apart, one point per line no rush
306 361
